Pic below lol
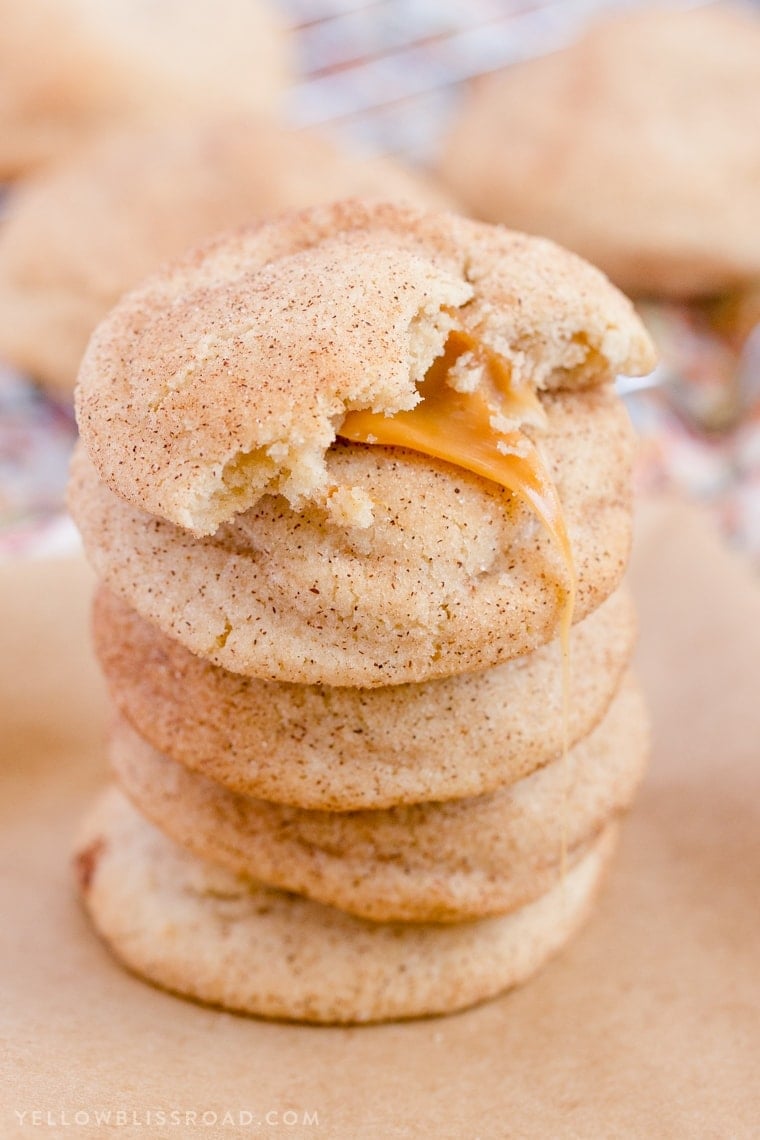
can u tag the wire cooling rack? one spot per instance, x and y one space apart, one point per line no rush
386 74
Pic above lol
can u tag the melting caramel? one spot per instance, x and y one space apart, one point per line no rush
458 426
465 428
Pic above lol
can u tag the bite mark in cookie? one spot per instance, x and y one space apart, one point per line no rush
228 376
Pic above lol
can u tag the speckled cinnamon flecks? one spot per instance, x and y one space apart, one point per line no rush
338 749
278 602
427 862
454 575
65 259
227 375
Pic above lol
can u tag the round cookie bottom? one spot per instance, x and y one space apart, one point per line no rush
204 933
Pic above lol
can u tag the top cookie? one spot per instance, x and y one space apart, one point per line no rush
71 70
72 241
226 376
638 147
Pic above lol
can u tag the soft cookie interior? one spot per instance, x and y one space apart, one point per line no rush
236 369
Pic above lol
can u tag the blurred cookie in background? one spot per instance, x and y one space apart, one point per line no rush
73 69
80 234
637 147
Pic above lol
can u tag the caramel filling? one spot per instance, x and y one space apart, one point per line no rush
466 428
477 430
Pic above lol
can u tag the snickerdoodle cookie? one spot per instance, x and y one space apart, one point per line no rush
349 748
454 574
73 240
637 146
427 862
220 938
228 375
72 70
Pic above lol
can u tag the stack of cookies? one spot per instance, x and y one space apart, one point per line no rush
344 478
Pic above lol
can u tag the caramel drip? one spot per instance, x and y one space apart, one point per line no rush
458 427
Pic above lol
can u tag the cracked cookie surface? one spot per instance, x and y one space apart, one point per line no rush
227 375
72 242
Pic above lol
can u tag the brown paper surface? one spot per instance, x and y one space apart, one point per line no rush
648 1025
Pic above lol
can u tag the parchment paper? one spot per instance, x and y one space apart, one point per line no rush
648 1025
